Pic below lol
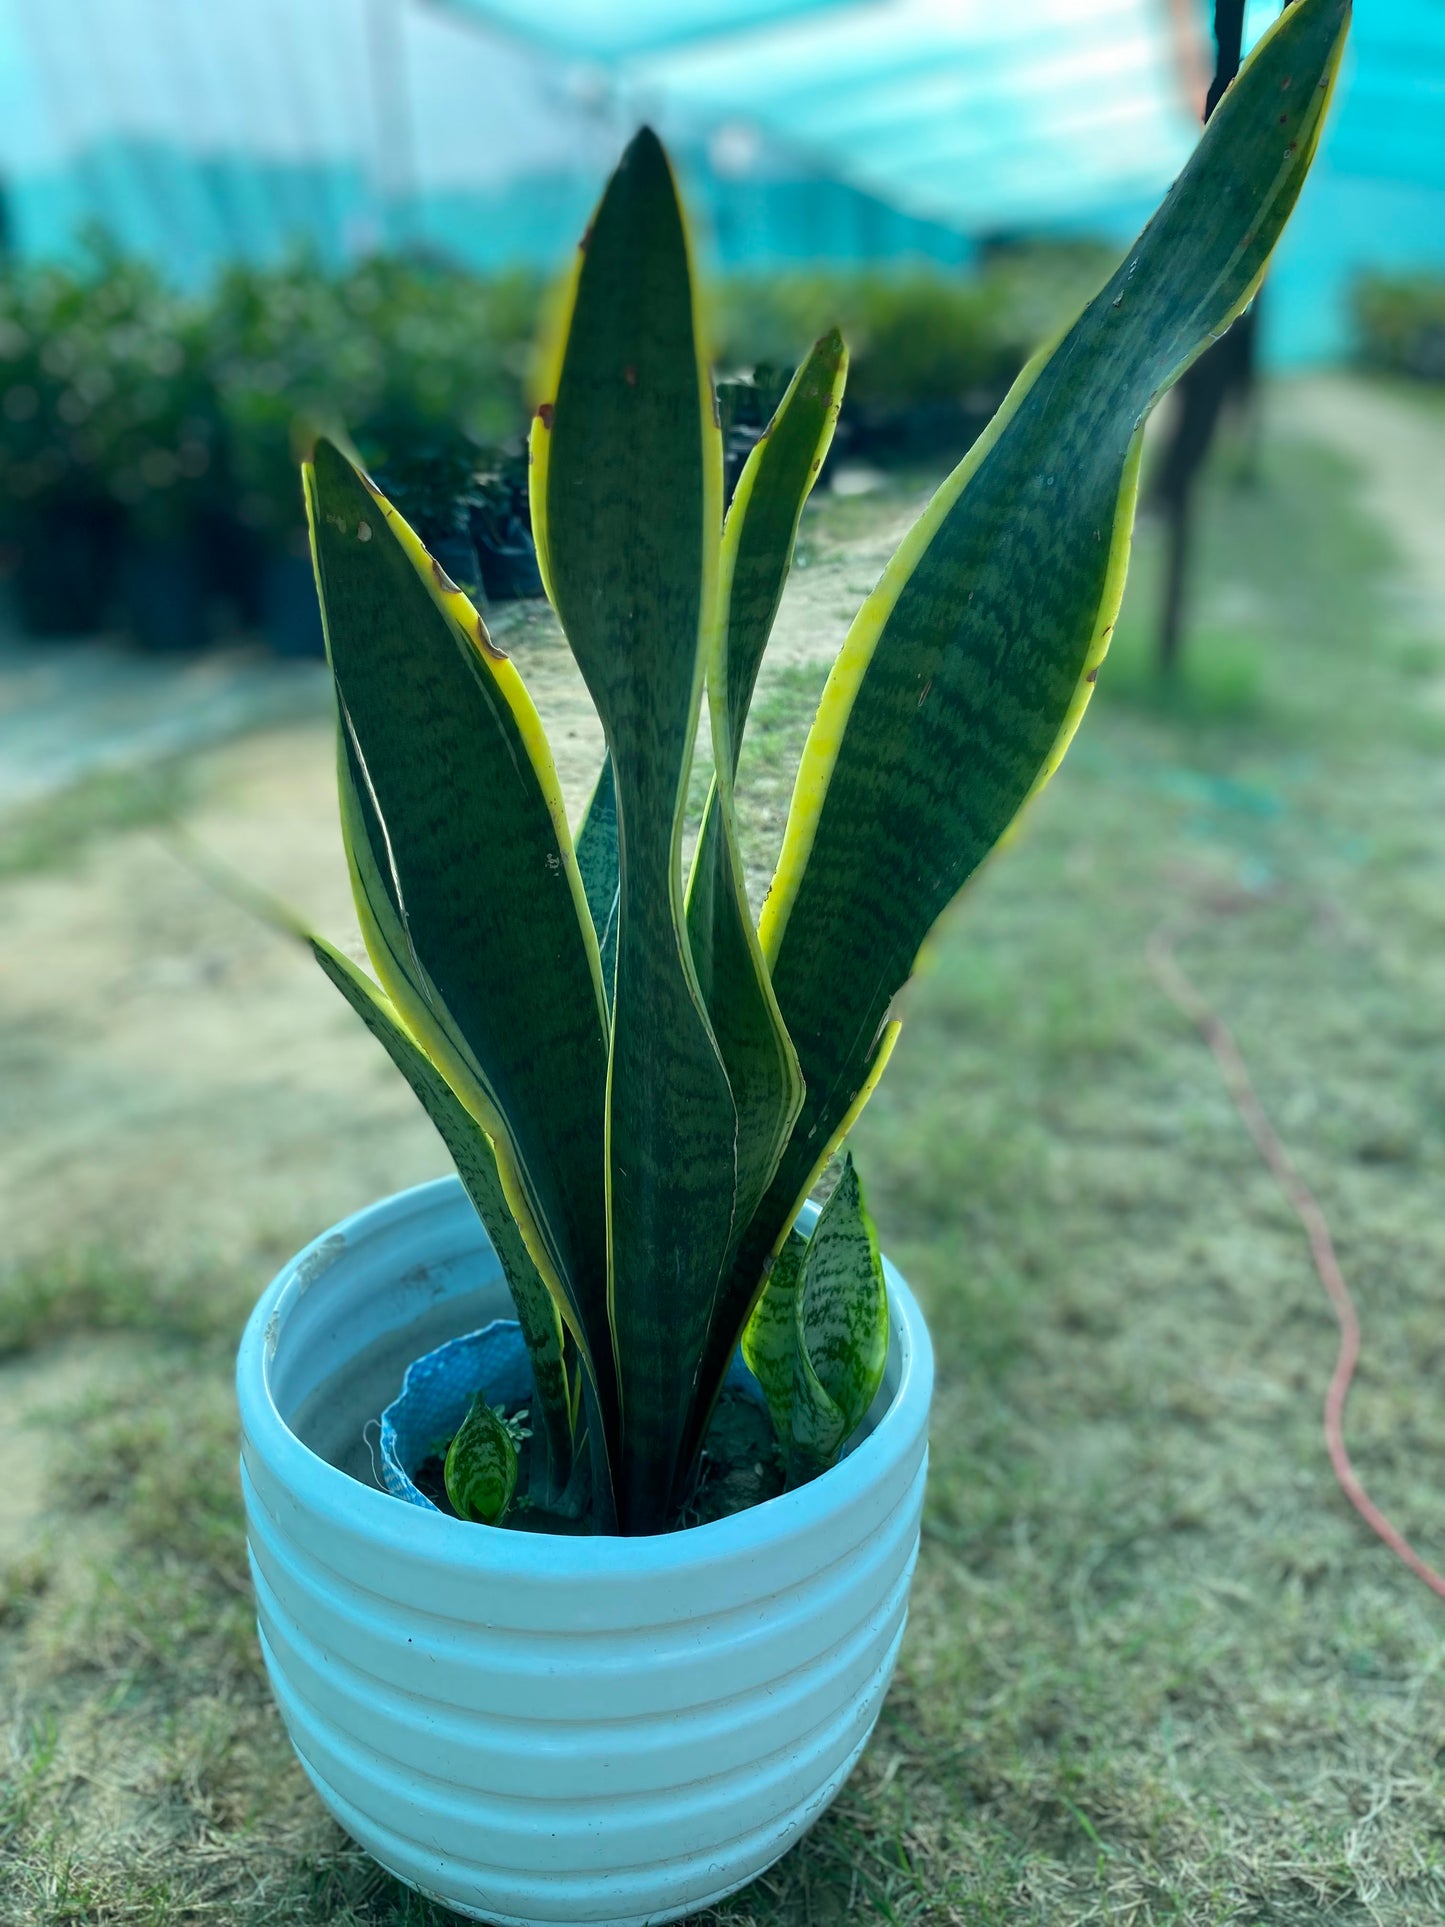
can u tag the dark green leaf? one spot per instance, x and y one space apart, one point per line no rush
762 1066
597 863
762 526
597 849
466 880
626 478
969 666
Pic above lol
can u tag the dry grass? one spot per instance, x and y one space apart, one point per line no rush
1157 1671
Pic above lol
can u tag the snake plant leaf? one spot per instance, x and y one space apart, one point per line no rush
759 537
969 666
757 1251
597 848
626 488
757 550
426 1016
481 1466
597 864
609 950
770 1337
476 1161
817 1339
842 1319
761 530
464 872
819 1429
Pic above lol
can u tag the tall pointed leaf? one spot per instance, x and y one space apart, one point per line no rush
476 1162
762 1066
969 666
761 530
460 847
626 480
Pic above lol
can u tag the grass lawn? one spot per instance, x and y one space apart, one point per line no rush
1157 1671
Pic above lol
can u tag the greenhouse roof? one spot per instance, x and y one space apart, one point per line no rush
960 110
804 129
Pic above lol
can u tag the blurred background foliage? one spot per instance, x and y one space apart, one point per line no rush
149 437
1401 324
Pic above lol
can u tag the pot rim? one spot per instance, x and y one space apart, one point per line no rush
398 1529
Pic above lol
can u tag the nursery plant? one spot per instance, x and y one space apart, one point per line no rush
638 1084
633 1711
107 435
1400 324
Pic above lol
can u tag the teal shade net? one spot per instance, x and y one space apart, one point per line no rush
599 30
805 129
198 135
1376 198
962 111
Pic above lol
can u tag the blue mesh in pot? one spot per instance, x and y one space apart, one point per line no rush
436 1393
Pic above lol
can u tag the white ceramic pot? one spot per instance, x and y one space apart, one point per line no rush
544 1729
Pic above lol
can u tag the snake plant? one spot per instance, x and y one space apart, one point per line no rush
637 1083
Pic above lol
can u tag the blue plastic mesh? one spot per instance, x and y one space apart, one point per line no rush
436 1393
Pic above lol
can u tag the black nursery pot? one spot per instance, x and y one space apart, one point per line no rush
457 555
509 566
163 591
942 428
233 558
66 570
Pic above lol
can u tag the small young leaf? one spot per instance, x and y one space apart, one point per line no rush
631 541
817 1340
842 1309
770 1335
819 1433
481 1466
841 1323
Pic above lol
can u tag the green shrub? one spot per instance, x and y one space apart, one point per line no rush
1400 322
918 334
104 394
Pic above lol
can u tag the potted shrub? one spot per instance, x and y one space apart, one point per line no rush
285 357
622 1715
1400 323
58 517
418 360
160 435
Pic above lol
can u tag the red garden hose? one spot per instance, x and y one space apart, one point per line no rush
1216 1033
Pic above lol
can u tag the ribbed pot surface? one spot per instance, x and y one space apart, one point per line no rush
544 1729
